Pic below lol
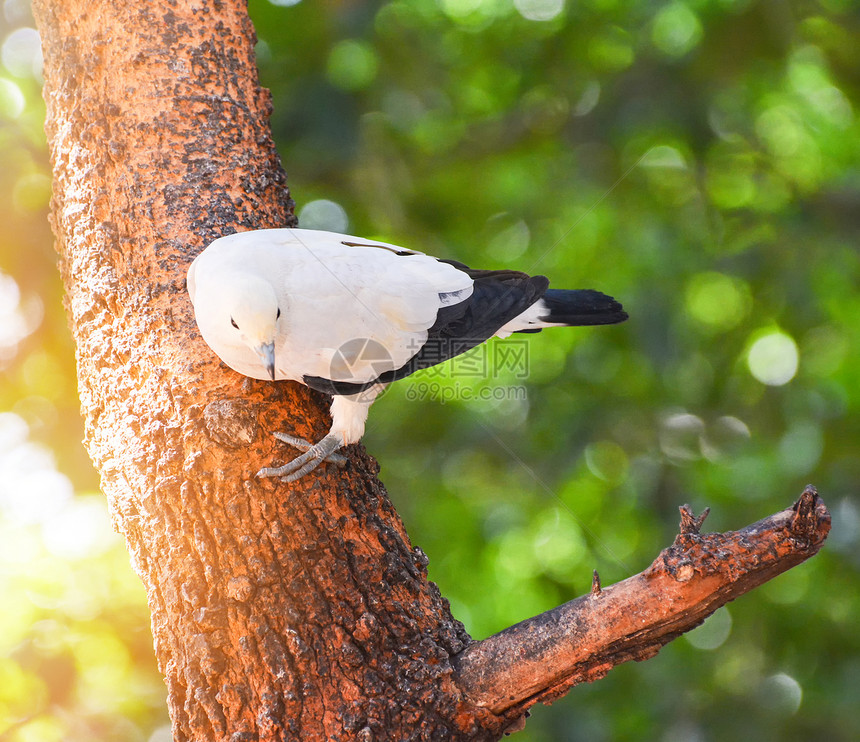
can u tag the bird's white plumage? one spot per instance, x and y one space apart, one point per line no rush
327 287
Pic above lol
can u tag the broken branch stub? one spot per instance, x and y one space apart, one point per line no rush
543 657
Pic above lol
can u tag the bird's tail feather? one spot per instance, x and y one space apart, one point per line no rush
580 307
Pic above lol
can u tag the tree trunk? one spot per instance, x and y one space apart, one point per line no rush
279 612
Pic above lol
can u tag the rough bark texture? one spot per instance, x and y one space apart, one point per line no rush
279 612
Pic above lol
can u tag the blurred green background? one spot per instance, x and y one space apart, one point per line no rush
698 159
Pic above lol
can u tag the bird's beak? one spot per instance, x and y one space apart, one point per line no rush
267 352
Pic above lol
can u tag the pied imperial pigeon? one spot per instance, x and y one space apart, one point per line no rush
347 316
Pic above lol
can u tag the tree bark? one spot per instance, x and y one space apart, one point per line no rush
278 612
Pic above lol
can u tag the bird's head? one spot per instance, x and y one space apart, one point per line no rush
253 311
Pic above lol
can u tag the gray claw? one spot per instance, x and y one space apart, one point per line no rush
315 454
303 445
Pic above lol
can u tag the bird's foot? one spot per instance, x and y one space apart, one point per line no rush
314 455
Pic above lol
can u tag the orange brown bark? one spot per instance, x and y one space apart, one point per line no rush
278 612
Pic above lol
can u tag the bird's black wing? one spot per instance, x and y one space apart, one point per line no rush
497 297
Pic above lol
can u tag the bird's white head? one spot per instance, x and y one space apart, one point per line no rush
250 312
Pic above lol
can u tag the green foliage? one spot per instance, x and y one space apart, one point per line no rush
698 159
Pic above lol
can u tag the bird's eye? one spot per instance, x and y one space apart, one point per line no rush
278 315
233 322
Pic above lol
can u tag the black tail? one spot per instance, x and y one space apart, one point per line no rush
582 307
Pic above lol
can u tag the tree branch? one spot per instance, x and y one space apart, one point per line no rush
541 658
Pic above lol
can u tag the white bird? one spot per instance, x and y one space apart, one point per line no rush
347 316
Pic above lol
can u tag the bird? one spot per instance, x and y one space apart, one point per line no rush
347 316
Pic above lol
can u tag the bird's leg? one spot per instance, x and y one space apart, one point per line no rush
349 414
314 455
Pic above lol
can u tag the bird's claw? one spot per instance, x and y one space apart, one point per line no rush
315 454
303 445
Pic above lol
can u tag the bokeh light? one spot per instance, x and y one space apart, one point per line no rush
324 214
352 65
676 29
773 358
539 10
782 693
12 101
713 632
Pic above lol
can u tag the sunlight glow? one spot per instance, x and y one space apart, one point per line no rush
12 101
22 53
18 317
31 490
80 528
